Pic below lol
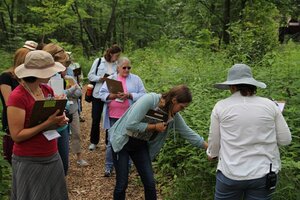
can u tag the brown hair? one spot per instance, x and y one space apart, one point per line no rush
181 93
112 50
246 90
58 53
19 58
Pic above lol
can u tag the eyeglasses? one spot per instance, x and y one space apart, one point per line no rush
126 67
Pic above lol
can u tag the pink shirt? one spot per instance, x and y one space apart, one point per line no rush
117 109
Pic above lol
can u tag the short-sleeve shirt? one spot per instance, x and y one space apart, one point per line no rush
6 78
38 145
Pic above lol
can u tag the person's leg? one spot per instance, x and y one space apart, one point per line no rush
75 138
97 107
63 148
142 161
108 153
256 190
227 189
120 160
79 100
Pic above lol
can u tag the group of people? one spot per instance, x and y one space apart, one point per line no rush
244 135
37 160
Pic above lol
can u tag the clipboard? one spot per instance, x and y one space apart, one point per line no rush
280 104
114 86
42 109
156 116
151 117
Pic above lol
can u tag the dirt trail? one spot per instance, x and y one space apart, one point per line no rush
89 182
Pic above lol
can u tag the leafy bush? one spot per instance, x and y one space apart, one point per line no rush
255 34
183 171
5 174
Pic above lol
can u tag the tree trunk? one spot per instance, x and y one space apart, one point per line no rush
111 24
226 19
4 36
84 45
10 12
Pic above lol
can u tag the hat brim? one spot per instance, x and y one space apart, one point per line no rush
21 71
250 81
29 47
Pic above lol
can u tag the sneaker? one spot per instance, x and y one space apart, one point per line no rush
92 147
107 173
82 163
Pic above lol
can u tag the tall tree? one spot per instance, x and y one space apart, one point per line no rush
226 21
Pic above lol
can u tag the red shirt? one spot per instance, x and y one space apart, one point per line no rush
38 145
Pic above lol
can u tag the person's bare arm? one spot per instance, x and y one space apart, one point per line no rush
5 90
16 120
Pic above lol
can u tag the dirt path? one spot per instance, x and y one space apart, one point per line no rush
89 182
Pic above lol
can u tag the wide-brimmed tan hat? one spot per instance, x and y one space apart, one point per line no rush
38 64
239 74
31 45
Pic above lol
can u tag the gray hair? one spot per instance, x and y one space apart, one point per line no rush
122 60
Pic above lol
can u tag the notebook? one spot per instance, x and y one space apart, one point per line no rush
151 117
114 86
42 109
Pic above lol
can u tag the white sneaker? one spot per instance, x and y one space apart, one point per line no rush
82 163
92 147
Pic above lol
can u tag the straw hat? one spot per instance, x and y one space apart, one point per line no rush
38 64
239 74
31 45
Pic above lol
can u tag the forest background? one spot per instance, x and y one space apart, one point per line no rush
172 42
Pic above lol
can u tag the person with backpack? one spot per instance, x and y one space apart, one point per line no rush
37 170
8 82
101 67
116 104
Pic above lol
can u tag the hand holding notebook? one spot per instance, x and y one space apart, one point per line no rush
43 109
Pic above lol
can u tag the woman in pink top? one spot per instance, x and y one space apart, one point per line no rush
117 104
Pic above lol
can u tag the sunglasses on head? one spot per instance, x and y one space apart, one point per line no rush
61 50
126 67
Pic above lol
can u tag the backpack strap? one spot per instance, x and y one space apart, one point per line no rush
99 61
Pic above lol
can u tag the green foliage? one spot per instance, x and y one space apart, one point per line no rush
255 34
5 174
54 15
183 172
6 60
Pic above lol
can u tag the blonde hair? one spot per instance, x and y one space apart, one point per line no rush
57 52
19 58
